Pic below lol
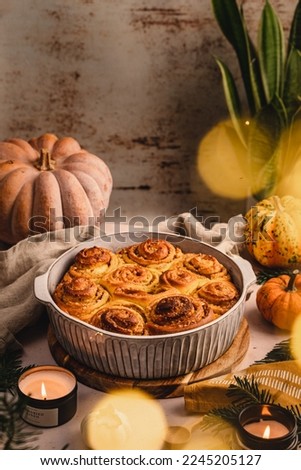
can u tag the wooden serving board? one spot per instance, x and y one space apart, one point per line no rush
159 388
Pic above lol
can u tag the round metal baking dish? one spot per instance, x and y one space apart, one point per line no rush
145 357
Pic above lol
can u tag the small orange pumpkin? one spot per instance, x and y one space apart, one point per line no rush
48 183
279 300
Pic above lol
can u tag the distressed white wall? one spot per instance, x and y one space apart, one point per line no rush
133 80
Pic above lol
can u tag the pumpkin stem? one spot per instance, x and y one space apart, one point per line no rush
45 162
291 283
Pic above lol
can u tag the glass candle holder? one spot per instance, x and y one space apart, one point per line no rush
49 394
267 427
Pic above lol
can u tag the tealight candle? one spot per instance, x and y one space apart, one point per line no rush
267 427
49 394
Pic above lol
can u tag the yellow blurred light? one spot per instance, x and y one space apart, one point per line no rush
296 340
228 169
290 182
127 419
222 162
290 162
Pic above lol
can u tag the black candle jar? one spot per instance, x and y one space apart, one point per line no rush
49 394
254 421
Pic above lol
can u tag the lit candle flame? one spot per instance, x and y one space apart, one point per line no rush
43 391
266 432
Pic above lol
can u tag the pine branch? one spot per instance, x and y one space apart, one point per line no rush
247 393
14 432
228 414
280 352
10 370
264 276
222 424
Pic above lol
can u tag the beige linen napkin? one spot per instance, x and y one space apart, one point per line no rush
19 265
282 379
226 237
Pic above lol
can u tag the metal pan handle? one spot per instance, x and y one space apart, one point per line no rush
41 292
249 276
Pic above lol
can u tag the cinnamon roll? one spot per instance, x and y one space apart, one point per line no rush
80 297
206 266
156 254
131 276
173 313
94 262
182 279
221 295
125 318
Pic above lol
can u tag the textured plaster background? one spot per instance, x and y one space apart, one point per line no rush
133 80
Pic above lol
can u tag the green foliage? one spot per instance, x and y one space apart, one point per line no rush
10 370
246 392
265 275
271 75
280 352
14 432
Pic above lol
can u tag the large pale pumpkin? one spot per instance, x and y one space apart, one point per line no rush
49 183
273 231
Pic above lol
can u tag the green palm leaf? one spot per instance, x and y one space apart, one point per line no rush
263 149
272 80
231 22
292 84
295 32
232 99
271 52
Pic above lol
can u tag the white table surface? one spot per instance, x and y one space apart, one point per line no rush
263 337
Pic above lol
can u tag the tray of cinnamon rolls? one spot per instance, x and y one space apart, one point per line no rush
145 305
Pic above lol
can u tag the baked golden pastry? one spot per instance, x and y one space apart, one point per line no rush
94 262
156 254
151 287
124 318
131 276
175 312
80 297
221 295
180 278
205 266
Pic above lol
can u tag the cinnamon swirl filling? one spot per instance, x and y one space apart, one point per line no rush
131 276
205 265
180 278
152 253
221 295
176 312
94 262
80 297
120 318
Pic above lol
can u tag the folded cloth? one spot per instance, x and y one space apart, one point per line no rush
227 237
282 379
19 265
